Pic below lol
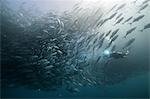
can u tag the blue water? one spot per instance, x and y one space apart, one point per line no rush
137 87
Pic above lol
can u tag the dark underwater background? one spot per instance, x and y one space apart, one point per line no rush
28 28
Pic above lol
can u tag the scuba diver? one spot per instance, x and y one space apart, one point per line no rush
115 55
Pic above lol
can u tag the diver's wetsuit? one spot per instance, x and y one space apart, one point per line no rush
118 55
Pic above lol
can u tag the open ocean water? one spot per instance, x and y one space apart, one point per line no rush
60 49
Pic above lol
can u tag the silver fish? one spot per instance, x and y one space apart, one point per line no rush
80 84
142 8
145 27
113 8
119 20
113 33
75 8
127 20
130 31
89 80
56 47
121 6
76 5
78 10
88 47
45 63
114 38
95 40
119 16
101 42
88 42
99 23
97 11
129 43
39 37
18 57
98 59
74 23
49 67
101 36
110 43
146 1
113 15
34 57
42 60
104 21
138 18
90 37
60 52
108 33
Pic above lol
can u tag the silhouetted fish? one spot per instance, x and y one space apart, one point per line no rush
113 33
121 6
146 1
129 31
119 16
121 19
112 40
97 11
113 8
98 59
101 42
95 40
143 7
99 22
109 44
146 27
108 33
138 18
112 16
104 21
129 43
127 20
101 36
